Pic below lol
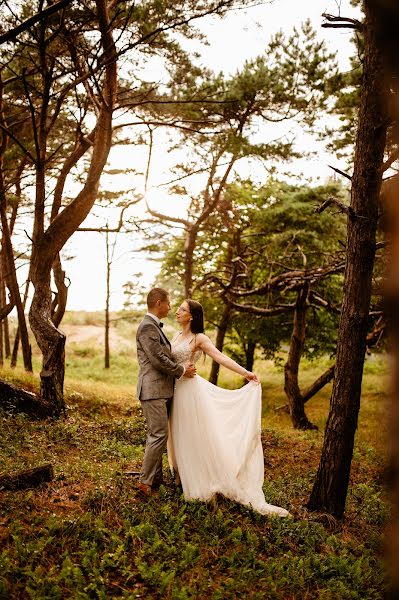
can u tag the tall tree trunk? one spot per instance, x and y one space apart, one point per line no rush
189 247
220 335
250 355
7 345
1 344
291 369
14 355
107 295
12 279
332 479
7 253
3 303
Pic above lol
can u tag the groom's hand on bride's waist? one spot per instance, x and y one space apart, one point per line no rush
190 371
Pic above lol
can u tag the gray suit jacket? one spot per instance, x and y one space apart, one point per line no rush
158 370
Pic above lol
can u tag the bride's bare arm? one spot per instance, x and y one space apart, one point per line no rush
204 343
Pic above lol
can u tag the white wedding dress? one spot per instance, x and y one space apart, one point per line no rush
214 441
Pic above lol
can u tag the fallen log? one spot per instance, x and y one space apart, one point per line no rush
29 478
18 400
325 378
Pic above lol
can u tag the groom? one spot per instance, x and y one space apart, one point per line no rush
155 385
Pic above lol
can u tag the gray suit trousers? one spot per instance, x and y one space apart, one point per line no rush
156 414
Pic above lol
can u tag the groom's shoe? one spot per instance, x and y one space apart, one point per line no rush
144 490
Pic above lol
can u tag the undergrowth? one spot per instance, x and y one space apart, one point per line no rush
87 534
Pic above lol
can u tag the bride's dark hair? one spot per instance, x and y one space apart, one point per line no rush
197 313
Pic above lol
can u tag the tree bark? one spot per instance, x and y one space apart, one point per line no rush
291 369
332 479
220 335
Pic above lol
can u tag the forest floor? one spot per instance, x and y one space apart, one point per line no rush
87 534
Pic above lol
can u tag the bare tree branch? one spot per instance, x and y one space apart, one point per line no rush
344 22
291 280
341 172
279 309
333 201
320 301
43 14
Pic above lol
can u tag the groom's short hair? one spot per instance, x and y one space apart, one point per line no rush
156 294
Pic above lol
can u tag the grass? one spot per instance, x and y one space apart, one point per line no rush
88 535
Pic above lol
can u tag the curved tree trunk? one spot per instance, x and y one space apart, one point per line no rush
51 342
221 334
291 369
60 301
332 479
47 244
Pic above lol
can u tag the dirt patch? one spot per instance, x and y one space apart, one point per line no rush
78 334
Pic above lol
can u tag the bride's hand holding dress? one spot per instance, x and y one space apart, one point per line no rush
202 342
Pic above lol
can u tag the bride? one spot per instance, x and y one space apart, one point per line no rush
214 445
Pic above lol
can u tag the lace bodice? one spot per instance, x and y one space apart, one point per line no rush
182 352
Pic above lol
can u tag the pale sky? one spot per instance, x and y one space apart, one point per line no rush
239 36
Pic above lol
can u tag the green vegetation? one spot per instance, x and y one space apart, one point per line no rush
88 535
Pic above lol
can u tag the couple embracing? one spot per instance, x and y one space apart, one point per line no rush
212 435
